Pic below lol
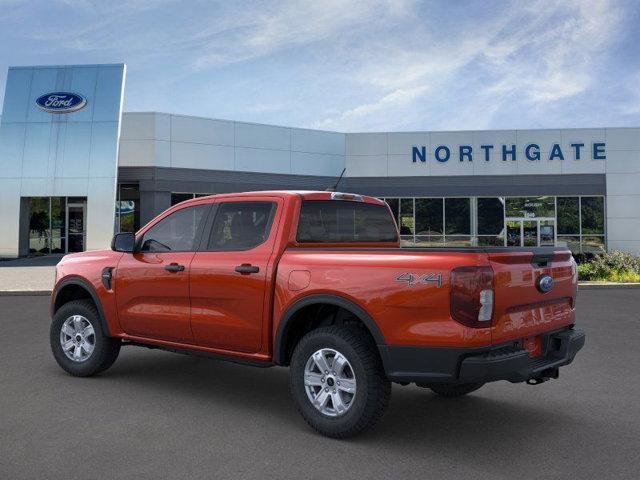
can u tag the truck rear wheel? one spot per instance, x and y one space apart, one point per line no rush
451 390
79 344
338 382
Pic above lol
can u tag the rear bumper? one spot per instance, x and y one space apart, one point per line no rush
460 365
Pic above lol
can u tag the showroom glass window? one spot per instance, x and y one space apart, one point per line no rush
39 225
592 224
581 223
56 224
128 208
451 221
569 222
530 207
407 222
457 215
394 205
432 222
490 221
429 222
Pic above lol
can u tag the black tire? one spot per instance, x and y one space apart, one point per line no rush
373 389
452 390
105 351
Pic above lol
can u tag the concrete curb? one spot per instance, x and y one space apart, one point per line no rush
24 293
606 285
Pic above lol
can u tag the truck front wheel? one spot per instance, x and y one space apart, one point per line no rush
338 382
78 343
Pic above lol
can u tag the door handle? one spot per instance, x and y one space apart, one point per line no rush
246 268
174 267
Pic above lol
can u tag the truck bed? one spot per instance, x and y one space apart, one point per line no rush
407 290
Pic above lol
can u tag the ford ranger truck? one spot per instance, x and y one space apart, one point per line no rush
317 281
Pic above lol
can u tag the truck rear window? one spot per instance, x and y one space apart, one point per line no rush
337 221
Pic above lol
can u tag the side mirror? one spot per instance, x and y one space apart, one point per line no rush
123 242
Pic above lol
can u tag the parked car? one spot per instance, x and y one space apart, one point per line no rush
316 281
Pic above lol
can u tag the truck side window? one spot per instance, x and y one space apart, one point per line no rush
241 225
177 232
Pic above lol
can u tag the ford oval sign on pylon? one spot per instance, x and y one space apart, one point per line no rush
61 102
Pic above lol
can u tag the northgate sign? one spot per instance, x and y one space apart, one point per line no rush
532 152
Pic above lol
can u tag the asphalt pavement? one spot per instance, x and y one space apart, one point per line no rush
158 415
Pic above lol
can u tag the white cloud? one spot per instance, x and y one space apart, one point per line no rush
397 98
538 54
631 94
283 25
551 57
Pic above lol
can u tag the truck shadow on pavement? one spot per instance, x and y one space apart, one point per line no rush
416 417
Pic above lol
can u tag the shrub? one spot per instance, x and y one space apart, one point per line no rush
583 257
614 266
624 277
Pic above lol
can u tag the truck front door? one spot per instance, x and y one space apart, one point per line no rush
229 274
152 285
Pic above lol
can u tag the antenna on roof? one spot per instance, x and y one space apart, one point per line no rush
335 186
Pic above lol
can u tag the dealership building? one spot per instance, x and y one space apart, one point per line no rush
75 168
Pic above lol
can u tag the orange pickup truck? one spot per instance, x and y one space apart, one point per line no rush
316 281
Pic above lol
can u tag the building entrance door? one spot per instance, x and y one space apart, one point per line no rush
528 232
76 226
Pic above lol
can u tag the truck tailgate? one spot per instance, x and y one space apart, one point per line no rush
521 308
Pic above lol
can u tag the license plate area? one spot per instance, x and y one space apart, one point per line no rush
533 346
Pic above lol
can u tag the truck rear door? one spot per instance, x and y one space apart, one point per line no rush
229 274
535 292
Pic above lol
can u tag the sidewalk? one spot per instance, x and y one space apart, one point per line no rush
28 276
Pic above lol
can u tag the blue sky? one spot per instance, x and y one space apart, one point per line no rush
351 65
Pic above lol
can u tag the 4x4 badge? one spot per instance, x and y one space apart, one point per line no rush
416 279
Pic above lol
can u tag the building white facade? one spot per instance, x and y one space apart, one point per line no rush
575 187
389 155
177 141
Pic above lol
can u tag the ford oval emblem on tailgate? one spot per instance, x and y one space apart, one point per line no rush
544 283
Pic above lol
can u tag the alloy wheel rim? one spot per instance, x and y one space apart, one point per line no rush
330 382
77 338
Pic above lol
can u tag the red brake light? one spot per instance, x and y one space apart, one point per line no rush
346 196
472 296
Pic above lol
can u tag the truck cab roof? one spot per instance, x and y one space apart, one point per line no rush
305 194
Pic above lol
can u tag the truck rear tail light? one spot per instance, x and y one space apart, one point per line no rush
472 296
